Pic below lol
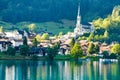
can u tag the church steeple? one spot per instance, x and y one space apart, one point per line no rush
79 10
78 30
78 16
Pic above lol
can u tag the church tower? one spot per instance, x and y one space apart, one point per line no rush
78 17
78 30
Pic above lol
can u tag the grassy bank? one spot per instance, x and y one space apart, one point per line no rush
58 57
6 57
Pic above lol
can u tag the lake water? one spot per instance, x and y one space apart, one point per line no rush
58 70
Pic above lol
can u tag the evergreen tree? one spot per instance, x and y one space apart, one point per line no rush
35 42
25 41
106 34
24 50
96 49
91 37
72 42
76 51
90 49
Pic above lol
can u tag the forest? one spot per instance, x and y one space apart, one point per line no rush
14 11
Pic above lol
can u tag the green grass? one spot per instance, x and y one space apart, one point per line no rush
54 27
93 58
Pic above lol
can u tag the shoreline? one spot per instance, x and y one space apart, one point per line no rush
41 58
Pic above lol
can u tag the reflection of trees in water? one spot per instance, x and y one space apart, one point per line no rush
52 69
60 70
2 71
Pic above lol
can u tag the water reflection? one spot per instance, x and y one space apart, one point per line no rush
58 70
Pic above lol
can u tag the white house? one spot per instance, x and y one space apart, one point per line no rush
13 35
17 43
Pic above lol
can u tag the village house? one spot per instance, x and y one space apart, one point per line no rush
105 47
64 49
13 35
84 45
4 45
17 43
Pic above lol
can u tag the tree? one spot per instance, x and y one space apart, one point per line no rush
60 34
1 29
105 54
96 38
53 51
11 51
24 50
32 27
106 35
72 42
90 49
96 49
38 37
91 36
25 41
35 42
45 36
116 49
76 51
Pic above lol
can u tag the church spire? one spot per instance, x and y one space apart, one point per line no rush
78 16
79 10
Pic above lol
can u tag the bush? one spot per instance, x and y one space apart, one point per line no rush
105 54
113 56
11 51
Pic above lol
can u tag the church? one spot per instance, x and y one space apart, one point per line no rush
81 29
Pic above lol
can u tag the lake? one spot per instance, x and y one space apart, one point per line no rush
58 70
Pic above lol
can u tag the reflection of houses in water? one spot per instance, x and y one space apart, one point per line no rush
18 72
10 73
59 70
